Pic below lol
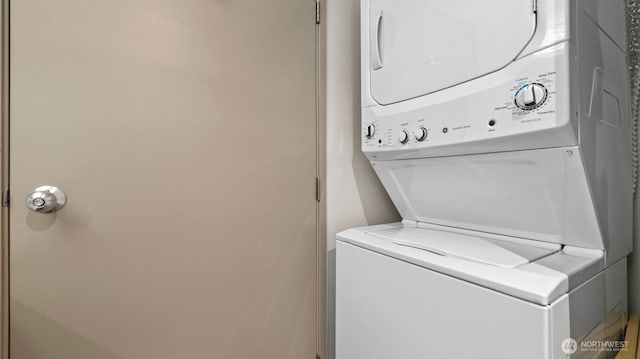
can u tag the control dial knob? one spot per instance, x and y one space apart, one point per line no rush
403 137
531 97
370 131
420 134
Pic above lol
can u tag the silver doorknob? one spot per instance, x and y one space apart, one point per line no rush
46 199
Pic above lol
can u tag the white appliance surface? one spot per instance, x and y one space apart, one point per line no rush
541 195
489 251
539 147
418 47
500 129
391 308
503 264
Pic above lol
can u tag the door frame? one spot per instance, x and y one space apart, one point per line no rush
321 173
320 113
4 179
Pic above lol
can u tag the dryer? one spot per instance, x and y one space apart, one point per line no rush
501 130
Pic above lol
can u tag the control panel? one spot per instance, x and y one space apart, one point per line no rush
486 108
526 106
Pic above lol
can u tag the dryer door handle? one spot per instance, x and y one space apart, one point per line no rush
377 41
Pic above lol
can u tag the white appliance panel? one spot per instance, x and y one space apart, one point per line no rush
421 46
479 116
540 195
463 246
544 273
605 128
429 315
381 317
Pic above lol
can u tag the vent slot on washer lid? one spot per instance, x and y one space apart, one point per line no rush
472 248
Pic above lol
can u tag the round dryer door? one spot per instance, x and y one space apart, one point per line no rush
417 47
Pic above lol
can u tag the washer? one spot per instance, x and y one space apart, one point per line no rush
502 132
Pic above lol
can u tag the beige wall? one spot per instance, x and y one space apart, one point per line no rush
354 194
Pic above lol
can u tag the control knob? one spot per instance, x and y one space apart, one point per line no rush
531 97
370 131
420 134
403 137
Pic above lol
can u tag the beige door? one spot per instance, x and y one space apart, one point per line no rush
183 133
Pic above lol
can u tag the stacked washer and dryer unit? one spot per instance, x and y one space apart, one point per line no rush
501 131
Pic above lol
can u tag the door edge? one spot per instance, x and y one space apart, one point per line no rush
4 180
321 205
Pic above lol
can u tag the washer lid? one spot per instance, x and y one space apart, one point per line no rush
417 47
548 270
472 248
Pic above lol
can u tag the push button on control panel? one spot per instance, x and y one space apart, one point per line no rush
531 96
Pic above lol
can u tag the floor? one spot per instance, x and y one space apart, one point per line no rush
633 351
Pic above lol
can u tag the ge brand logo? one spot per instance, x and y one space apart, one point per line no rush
569 346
